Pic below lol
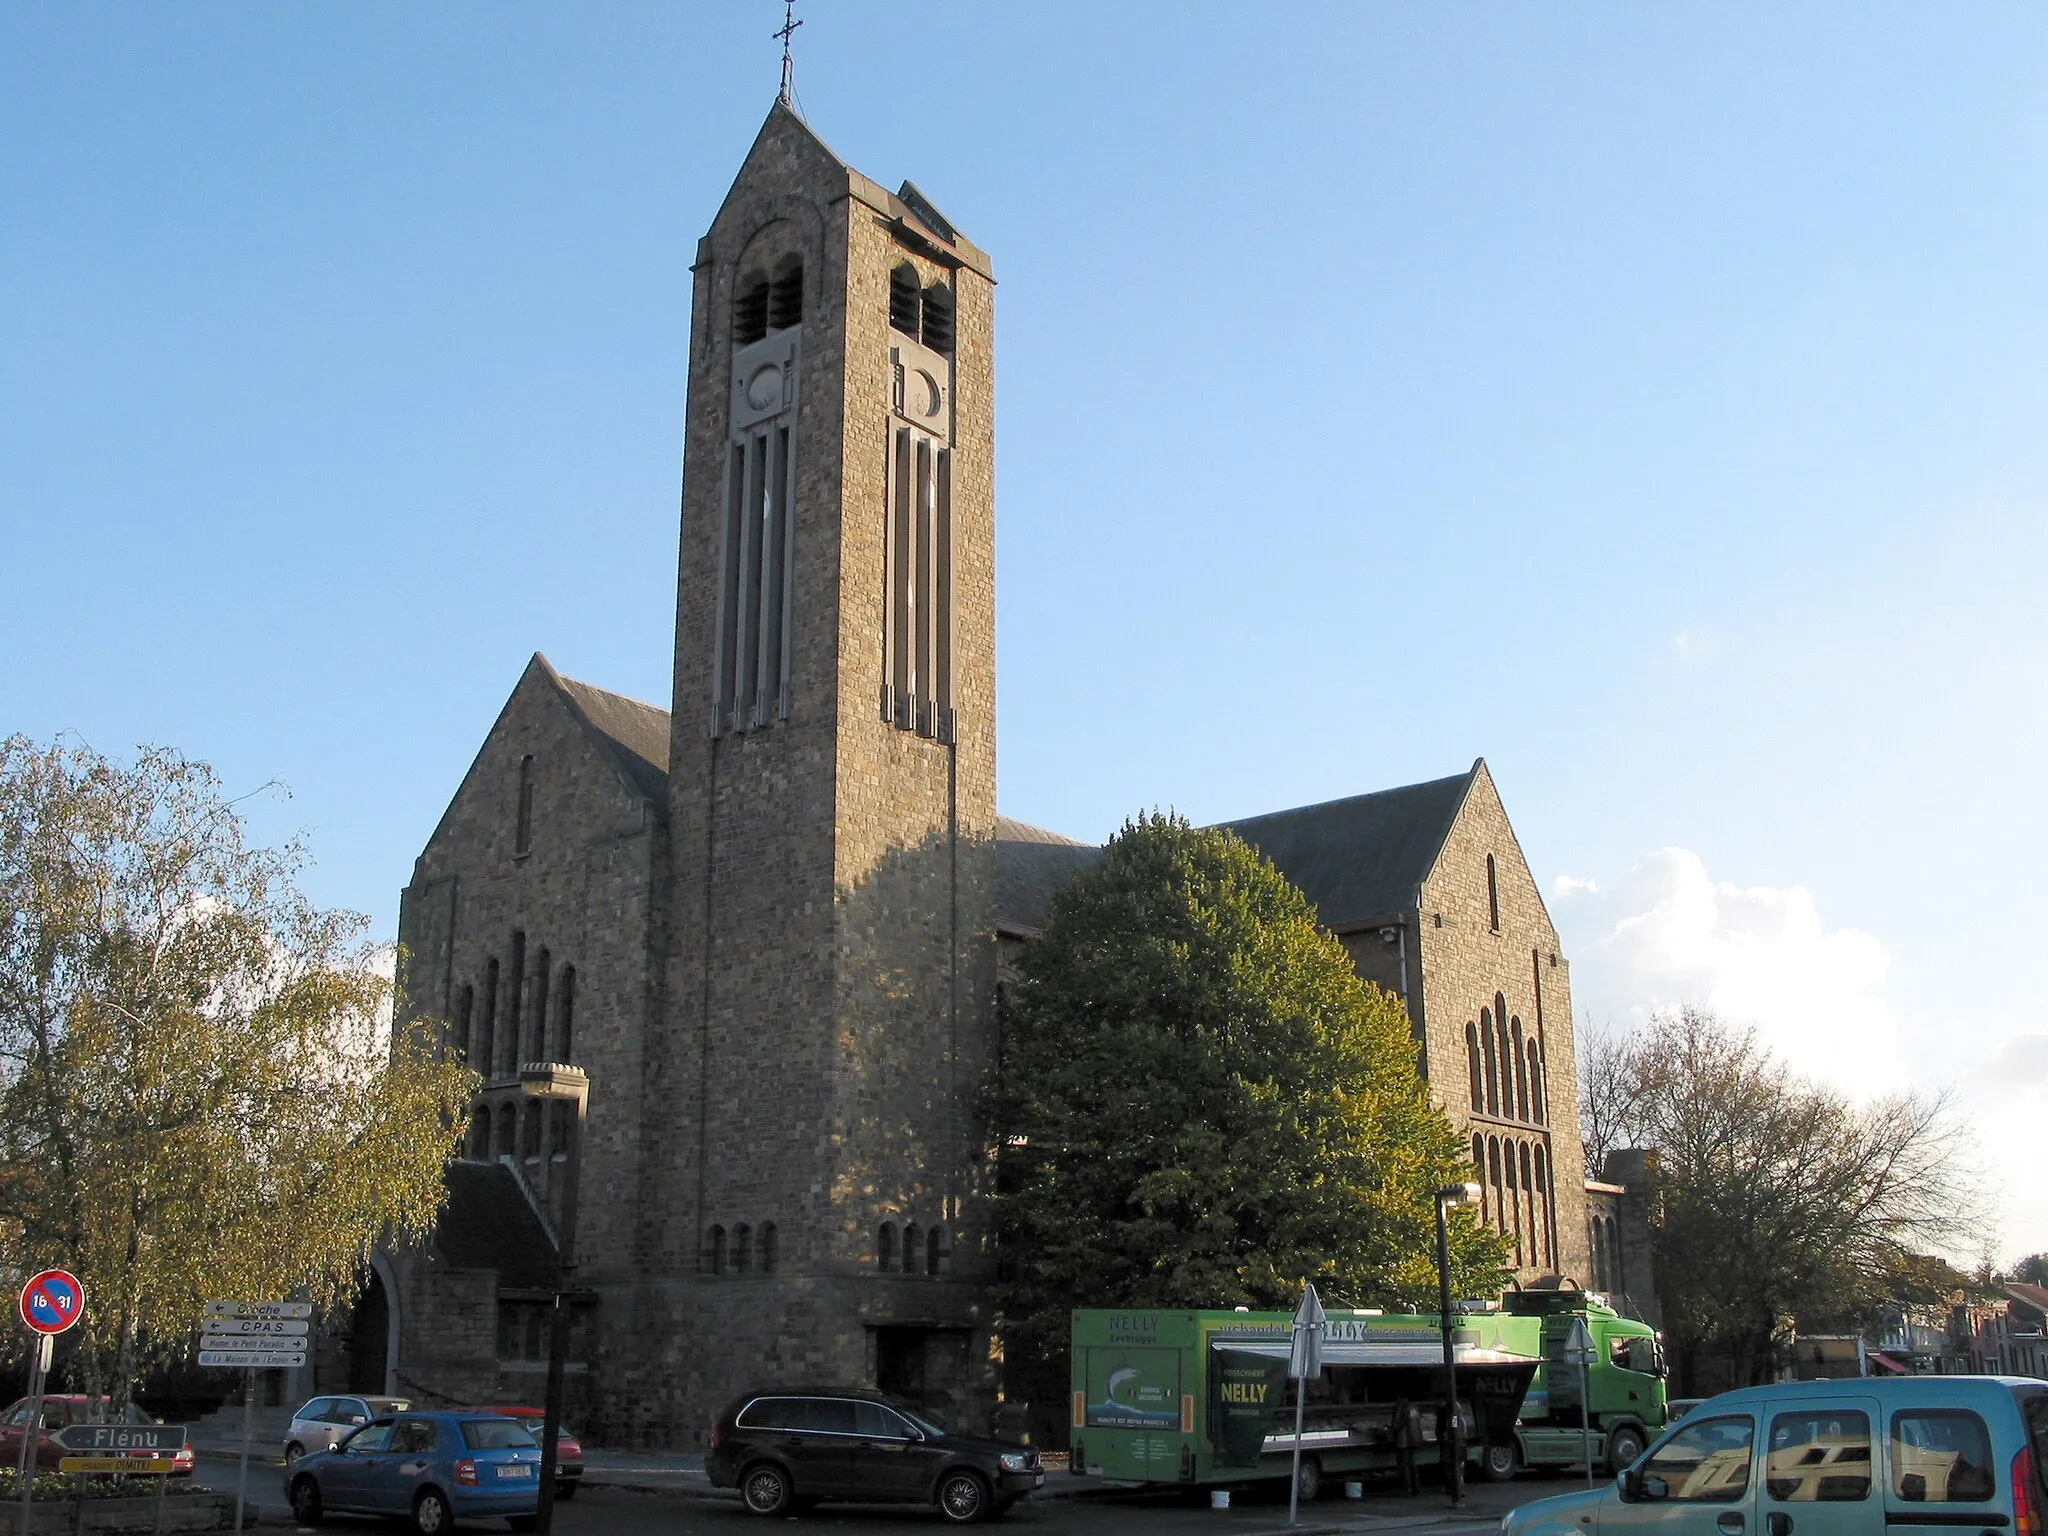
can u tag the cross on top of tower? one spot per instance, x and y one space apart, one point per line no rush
789 26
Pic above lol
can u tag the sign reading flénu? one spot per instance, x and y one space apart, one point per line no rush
119 1437
255 1335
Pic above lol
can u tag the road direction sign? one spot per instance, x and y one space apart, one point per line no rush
112 1464
259 1309
52 1301
257 1359
120 1437
261 1327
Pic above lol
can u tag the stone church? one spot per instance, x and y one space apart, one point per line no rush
770 920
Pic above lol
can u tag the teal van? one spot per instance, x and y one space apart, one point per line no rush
1898 1456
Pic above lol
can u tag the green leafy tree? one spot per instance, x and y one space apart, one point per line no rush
1202 1105
199 1096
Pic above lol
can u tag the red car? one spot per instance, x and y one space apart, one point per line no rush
60 1409
568 1449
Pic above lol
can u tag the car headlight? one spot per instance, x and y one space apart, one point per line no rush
1016 1461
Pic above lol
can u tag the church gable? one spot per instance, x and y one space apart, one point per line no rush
1477 879
562 764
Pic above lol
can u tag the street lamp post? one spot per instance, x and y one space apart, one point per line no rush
551 1080
1451 1445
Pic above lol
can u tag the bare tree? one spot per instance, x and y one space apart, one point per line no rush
1777 1196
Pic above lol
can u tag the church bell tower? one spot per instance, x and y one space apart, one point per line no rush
829 992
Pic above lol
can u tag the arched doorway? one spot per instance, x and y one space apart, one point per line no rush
369 1340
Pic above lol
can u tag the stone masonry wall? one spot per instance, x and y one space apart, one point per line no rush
1465 963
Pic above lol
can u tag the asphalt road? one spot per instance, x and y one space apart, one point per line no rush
604 1511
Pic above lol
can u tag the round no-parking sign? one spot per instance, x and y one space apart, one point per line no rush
52 1301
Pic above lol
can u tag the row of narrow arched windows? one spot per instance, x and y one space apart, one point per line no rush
528 1129
913 1250
923 314
495 1051
742 1250
1515 1175
1505 1067
768 301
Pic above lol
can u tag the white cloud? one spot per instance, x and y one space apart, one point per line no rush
1564 887
1669 934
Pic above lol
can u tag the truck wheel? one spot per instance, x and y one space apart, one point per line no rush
1308 1484
1499 1462
1624 1446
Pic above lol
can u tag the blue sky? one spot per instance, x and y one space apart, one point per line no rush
1648 399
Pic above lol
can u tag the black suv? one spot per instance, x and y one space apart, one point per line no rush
786 1450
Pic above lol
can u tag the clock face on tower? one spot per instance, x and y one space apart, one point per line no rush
921 386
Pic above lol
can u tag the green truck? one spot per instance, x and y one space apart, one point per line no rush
1203 1397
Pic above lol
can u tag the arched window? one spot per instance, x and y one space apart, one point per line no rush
543 974
714 1261
885 1247
1546 1212
1514 1198
1492 895
768 1248
513 1011
1541 1111
559 1111
903 299
1492 1063
1479 1172
1493 1182
508 1129
1472 1066
1507 1057
786 295
1529 1199
486 1035
1521 1071
937 1250
913 1250
529 1129
750 310
522 832
938 318
742 1248
565 1015
479 1133
464 1006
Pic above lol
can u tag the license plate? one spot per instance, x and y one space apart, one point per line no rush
518 1469
1038 1481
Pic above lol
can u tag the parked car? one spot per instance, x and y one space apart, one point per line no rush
323 1421
1851 1457
568 1449
60 1409
437 1468
786 1450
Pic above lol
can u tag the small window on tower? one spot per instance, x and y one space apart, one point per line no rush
903 296
522 831
750 310
786 295
938 318
1492 895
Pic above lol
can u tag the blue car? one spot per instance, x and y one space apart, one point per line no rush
436 1468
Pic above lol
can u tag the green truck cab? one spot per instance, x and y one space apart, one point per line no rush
1203 1397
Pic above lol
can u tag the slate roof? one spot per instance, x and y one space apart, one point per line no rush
488 1223
1033 866
633 735
1362 857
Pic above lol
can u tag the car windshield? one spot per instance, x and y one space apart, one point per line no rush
920 1421
495 1435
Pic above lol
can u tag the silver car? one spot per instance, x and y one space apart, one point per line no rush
325 1420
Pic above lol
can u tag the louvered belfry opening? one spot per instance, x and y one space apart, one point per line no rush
937 326
750 311
751 662
903 299
786 295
